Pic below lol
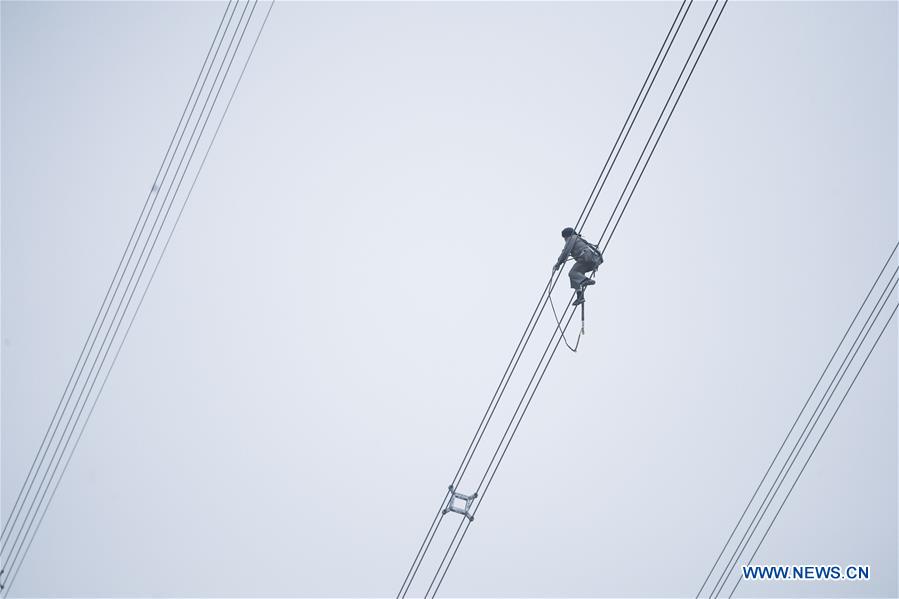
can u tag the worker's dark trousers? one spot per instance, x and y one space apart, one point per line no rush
577 274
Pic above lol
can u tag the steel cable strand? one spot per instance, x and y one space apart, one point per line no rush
661 115
544 363
592 203
462 523
636 107
94 371
143 296
93 343
639 177
452 557
796 421
591 200
503 438
650 78
803 439
11 521
610 162
799 443
439 517
475 442
503 455
826 427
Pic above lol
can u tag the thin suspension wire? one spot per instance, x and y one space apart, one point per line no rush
635 109
502 440
665 125
452 557
520 403
143 296
787 468
504 381
423 548
142 223
676 32
824 432
514 415
438 518
93 342
809 428
800 442
94 371
462 523
475 442
487 487
817 419
546 365
623 134
485 420
612 158
10 522
97 367
94 368
593 203
798 417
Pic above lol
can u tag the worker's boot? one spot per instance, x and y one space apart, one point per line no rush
580 298
588 282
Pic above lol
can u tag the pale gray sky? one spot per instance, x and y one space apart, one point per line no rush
362 251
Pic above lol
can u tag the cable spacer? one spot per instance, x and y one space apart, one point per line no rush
452 507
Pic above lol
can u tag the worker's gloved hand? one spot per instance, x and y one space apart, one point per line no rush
556 266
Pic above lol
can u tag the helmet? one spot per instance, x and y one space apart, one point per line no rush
568 232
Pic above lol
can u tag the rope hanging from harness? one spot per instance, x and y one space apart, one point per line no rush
559 322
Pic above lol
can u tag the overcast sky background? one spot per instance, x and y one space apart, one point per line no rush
366 242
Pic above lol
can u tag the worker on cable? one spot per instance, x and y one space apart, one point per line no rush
587 259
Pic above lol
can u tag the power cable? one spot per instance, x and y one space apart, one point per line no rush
557 340
146 288
612 158
826 427
103 320
95 369
127 305
807 431
796 420
667 101
11 521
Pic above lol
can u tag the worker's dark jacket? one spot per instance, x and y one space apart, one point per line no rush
578 249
